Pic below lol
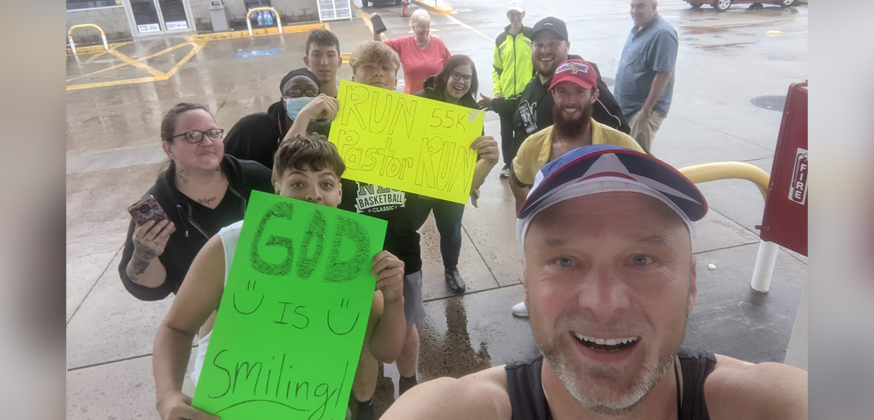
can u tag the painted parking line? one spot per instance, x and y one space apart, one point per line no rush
135 63
157 76
124 64
196 41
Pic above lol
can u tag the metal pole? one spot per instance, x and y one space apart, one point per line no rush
105 44
764 269
72 45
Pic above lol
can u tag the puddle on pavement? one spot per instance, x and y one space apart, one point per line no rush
450 352
723 47
770 102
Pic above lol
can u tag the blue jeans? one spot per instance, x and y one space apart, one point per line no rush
448 217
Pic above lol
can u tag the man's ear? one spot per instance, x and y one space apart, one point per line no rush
339 60
306 62
523 16
595 96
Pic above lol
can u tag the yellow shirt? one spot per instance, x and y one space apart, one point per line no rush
534 152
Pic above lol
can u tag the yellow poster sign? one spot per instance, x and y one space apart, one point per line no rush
406 142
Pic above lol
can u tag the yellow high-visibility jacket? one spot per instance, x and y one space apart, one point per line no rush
513 66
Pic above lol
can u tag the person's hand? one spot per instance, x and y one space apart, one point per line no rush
323 107
390 276
177 406
474 196
485 103
487 149
151 238
498 96
646 112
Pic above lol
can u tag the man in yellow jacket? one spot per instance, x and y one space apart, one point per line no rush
513 68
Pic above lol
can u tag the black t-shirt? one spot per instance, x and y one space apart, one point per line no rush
398 208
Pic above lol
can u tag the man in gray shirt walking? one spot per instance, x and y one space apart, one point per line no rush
645 78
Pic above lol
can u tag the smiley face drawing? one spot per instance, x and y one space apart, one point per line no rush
344 304
244 308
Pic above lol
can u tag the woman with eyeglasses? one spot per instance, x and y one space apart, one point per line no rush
456 84
257 136
201 192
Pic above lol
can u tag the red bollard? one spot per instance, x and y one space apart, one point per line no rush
405 12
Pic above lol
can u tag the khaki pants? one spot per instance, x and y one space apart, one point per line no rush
644 129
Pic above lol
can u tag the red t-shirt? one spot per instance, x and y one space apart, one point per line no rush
419 64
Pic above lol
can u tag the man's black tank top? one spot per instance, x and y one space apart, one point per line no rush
529 403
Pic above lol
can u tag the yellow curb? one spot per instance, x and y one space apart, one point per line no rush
437 10
94 49
258 32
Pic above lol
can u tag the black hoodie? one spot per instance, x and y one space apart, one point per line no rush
257 136
195 223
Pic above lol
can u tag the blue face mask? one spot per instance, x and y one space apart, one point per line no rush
294 105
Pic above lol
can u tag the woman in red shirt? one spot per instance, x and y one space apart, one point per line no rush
422 55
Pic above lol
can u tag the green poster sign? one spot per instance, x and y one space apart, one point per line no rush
291 322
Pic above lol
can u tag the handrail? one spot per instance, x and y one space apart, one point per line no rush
258 9
728 170
86 25
766 258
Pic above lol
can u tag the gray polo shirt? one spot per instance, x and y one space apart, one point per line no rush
651 49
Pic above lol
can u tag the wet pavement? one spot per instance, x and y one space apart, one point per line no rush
115 102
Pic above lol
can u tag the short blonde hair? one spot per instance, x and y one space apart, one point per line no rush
421 16
373 52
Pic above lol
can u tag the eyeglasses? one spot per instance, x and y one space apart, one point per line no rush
458 76
195 136
297 93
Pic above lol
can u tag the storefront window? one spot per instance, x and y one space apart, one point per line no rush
91 4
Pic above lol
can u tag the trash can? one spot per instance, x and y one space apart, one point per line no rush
219 16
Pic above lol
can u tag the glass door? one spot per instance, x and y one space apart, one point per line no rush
146 16
159 16
173 12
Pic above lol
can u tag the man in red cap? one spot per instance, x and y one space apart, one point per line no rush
574 90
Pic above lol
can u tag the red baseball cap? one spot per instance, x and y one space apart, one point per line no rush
575 71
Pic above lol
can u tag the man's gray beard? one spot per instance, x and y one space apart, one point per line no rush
625 404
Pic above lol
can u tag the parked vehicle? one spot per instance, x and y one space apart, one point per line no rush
366 3
723 5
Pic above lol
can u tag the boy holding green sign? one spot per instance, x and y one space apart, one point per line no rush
305 168
376 65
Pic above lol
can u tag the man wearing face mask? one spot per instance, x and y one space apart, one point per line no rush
257 136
